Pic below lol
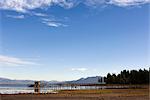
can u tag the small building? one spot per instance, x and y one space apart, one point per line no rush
101 80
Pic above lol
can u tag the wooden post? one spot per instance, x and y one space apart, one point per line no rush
37 87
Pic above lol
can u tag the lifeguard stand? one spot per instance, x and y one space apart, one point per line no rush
37 86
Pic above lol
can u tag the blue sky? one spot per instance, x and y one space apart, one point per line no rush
66 40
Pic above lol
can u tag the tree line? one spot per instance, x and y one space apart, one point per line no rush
129 77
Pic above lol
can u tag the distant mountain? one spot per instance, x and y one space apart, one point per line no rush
25 82
10 81
88 80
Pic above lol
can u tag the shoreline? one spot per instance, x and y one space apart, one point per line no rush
56 89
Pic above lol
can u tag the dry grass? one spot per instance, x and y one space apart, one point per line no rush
106 94
85 91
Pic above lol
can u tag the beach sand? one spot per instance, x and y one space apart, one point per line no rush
106 94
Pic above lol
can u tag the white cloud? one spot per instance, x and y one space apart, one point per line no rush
124 3
94 2
121 3
25 5
13 61
79 69
52 22
16 16
40 14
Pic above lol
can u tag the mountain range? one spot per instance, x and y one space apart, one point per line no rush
88 80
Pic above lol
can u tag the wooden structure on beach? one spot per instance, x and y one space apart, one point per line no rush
37 87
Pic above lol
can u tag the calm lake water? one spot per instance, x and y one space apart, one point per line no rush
25 89
6 89
15 89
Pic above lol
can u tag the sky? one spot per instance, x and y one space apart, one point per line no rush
70 39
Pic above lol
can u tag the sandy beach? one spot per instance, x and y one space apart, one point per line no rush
107 94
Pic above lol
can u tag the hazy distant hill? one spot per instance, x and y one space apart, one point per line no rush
10 81
88 80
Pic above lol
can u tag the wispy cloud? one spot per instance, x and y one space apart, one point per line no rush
39 14
16 16
125 3
25 5
94 2
14 61
121 3
52 22
29 6
79 69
